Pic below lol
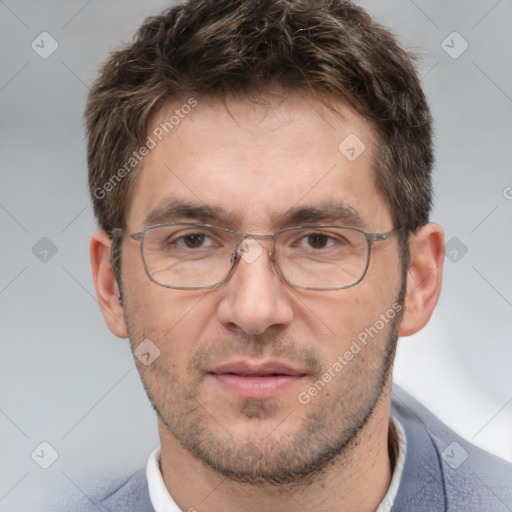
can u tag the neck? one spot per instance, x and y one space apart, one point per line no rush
356 481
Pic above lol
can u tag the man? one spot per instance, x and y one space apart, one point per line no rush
261 174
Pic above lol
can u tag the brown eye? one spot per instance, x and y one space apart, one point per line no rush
193 241
318 240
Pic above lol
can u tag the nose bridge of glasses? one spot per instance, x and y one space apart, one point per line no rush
250 247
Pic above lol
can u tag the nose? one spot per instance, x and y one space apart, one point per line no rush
255 299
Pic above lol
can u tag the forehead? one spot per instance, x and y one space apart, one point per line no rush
255 162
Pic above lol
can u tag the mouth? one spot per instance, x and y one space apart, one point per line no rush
256 380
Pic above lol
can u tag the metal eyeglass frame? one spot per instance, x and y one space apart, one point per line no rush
371 238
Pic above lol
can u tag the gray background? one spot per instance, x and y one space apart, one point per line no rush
66 380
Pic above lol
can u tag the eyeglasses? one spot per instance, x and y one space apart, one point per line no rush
189 256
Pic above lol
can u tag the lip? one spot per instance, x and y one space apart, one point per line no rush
256 380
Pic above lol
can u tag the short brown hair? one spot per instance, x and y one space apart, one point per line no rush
238 47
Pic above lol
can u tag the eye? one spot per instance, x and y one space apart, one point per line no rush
193 241
316 241
336 239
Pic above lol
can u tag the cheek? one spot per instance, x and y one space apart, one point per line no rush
338 318
174 320
151 308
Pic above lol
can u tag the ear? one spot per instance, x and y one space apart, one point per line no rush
423 278
105 283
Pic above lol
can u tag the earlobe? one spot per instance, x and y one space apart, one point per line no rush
107 290
424 277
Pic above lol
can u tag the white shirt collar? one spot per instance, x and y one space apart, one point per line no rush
389 499
160 497
163 502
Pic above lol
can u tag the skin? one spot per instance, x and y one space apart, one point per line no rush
222 452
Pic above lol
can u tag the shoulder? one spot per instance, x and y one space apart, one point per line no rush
131 496
128 494
444 471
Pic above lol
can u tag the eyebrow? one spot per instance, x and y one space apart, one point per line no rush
173 210
326 213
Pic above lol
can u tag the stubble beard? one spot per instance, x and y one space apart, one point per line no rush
326 433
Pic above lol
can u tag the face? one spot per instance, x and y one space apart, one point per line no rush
258 380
